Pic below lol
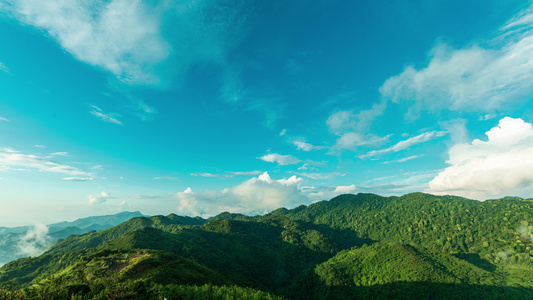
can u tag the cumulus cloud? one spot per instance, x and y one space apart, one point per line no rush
98 199
34 240
402 145
106 117
256 195
280 159
475 78
121 36
500 165
13 160
317 193
344 189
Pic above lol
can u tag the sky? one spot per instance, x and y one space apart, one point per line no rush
199 107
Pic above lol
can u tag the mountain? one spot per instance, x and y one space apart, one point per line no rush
24 241
353 246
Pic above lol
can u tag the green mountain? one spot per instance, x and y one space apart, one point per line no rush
353 246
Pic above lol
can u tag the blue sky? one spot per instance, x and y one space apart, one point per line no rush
199 107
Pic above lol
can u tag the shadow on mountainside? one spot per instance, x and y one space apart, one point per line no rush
477 261
411 290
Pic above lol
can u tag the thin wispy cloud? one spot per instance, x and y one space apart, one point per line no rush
304 146
212 175
166 178
280 159
404 159
77 178
106 117
226 174
4 119
60 154
353 128
402 145
12 160
3 68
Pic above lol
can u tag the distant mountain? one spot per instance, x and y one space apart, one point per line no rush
101 221
24 241
362 246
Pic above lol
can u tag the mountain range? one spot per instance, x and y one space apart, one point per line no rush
23 241
363 246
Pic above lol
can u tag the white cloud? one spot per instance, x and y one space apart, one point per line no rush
59 154
280 159
3 67
226 174
13 160
344 121
34 241
352 128
4 119
212 175
344 189
321 175
247 173
110 118
402 145
77 178
351 140
283 132
475 78
404 159
302 145
98 199
257 195
502 164
121 36
487 117
166 178
39 146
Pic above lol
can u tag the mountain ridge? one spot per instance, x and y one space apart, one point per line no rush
439 246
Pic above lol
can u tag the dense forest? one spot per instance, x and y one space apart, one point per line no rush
352 247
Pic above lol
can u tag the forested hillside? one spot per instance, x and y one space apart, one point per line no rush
353 246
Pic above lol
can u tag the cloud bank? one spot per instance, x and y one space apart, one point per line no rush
502 164
257 195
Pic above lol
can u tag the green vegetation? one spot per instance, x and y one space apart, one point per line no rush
353 246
